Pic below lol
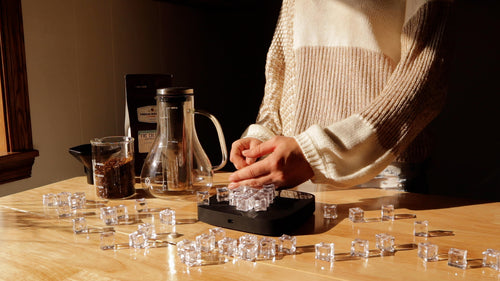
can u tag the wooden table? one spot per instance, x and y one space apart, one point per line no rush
36 245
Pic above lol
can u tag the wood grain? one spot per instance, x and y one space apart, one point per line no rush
36 245
16 129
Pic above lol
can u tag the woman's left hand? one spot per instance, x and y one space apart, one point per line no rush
284 165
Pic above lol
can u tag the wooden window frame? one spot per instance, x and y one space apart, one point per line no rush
17 161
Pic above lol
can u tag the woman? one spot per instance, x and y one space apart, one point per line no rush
350 89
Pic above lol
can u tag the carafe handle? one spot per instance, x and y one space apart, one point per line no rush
222 141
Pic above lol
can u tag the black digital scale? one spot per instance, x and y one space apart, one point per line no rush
289 211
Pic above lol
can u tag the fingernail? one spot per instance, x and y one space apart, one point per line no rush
232 185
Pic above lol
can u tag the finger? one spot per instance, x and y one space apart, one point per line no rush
250 161
259 150
256 182
239 162
255 170
236 156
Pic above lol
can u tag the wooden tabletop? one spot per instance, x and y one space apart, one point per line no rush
37 245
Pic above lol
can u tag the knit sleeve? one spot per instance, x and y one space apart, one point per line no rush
269 120
357 148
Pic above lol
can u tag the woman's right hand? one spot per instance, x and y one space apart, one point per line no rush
236 156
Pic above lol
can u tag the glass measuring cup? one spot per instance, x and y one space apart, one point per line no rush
113 167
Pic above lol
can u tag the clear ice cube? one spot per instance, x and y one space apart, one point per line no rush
270 191
428 251
218 233
260 203
63 209
203 197
356 214
180 248
387 212
228 246
140 205
325 251
79 225
287 244
63 197
248 250
109 216
385 242
233 195
330 211
248 238
63 204
491 259
267 248
421 228
107 240
222 194
189 252
76 201
167 216
457 258
137 240
148 229
244 203
122 212
50 199
360 248
205 242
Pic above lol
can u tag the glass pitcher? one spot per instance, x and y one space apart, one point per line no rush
177 164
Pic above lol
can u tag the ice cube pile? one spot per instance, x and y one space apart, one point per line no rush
246 198
247 247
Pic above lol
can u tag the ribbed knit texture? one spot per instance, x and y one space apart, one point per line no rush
339 82
415 93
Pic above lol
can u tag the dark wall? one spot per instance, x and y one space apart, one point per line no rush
219 48
466 161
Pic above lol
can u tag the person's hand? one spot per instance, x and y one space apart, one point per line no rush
284 166
236 156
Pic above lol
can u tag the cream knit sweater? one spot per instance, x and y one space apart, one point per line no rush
355 83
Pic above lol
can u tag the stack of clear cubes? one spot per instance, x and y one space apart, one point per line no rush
247 247
246 198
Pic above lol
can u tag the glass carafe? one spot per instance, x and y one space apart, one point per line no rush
177 164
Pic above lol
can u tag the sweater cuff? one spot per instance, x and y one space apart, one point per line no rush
312 156
259 132
344 154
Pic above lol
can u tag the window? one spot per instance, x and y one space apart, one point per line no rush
16 147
